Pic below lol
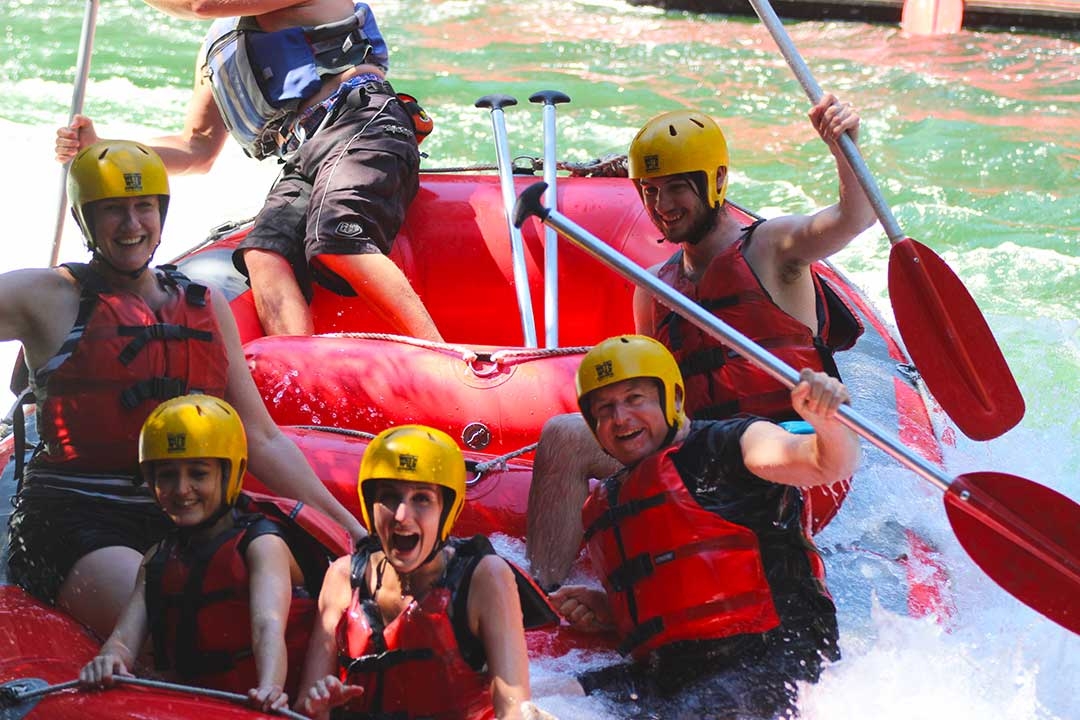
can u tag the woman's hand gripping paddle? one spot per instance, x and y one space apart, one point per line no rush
942 327
1022 534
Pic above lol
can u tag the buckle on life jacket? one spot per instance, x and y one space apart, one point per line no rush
159 331
158 388
630 572
616 513
386 660
641 634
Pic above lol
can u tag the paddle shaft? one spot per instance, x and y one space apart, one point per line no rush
943 328
746 347
1036 544
30 693
851 151
496 103
550 98
82 72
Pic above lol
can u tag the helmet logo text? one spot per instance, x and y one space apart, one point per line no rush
133 182
407 462
177 442
604 370
652 163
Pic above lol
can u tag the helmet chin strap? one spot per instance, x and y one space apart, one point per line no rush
223 510
702 230
434 552
133 274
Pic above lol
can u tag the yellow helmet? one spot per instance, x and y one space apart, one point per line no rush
415 453
197 426
683 141
632 356
114 169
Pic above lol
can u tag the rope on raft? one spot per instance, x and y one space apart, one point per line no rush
500 462
613 165
11 695
503 357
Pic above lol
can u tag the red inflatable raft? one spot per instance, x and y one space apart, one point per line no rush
329 391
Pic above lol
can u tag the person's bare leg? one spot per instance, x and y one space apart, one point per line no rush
566 457
378 280
99 586
279 302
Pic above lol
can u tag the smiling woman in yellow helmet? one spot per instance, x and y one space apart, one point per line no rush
421 624
228 597
142 335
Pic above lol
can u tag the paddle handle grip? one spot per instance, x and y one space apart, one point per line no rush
813 91
528 204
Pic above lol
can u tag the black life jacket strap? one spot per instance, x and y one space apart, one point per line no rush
641 566
156 388
186 658
654 626
619 512
155 605
339 45
381 662
18 427
159 331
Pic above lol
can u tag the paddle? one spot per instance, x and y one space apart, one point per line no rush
496 103
1023 535
82 72
942 327
549 99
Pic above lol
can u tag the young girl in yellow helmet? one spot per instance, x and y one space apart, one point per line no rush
417 623
228 596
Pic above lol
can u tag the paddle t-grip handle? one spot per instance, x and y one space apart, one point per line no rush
528 204
549 97
496 101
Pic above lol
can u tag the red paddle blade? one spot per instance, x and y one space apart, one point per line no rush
951 344
1025 536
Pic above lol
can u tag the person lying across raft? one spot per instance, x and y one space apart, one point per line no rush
710 581
228 597
417 623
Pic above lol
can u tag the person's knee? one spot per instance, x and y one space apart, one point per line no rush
265 264
568 427
99 585
567 447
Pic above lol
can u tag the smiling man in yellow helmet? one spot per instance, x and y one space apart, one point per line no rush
757 278
710 582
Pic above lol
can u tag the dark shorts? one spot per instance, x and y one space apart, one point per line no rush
47 535
753 678
346 190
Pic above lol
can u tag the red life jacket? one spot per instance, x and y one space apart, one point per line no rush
198 600
119 361
721 383
673 570
425 663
